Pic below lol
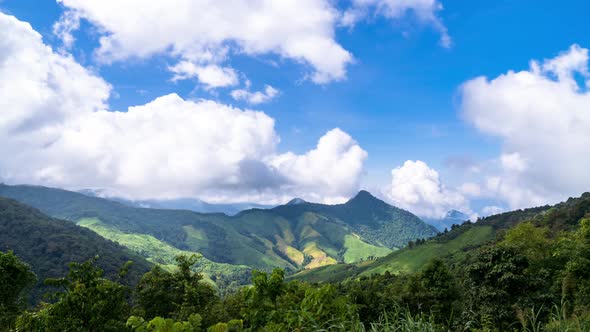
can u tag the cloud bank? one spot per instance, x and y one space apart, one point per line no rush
56 129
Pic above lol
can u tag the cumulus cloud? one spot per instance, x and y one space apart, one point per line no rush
212 76
315 170
56 127
418 188
204 31
424 10
542 116
39 89
257 97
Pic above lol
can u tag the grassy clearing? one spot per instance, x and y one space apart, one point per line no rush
411 260
357 250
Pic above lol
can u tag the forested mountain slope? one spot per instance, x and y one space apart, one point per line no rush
49 244
454 245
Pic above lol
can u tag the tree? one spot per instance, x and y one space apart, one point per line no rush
15 278
496 280
87 302
574 249
175 295
159 324
262 297
531 241
433 290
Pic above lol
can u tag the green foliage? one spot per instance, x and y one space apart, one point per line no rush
87 302
495 281
432 290
48 245
531 241
404 320
15 278
159 324
175 295
273 305
574 249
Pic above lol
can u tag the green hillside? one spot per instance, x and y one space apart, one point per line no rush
454 245
49 244
293 236
162 253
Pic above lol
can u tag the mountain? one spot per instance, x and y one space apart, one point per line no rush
453 217
454 245
294 236
191 204
374 220
49 244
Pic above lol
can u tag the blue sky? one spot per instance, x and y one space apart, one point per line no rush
400 98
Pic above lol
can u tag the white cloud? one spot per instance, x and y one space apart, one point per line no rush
542 116
470 189
56 128
513 162
316 169
204 31
417 188
39 88
491 210
212 76
424 10
64 28
257 97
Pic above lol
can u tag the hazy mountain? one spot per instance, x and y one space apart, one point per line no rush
293 236
191 204
453 217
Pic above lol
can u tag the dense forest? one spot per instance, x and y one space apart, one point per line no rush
533 275
49 244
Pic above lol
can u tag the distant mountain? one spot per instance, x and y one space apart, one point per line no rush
49 244
293 236
191 204
453 217
296 201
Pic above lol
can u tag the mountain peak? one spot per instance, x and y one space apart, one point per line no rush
364 196
296 201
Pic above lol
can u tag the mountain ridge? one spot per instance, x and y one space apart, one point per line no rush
293 237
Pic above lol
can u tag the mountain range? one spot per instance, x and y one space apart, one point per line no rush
295 236
191 204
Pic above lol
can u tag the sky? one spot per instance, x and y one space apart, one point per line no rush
431 105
